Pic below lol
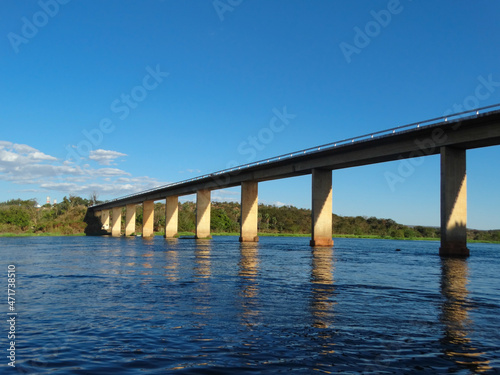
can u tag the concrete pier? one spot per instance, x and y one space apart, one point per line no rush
321 208
130 220
249 211
203 205
105 219
171 216
98 215
453 202
116 228
148 218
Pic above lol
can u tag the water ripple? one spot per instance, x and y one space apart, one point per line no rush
127 306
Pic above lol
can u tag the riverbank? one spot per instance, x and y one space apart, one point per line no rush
48 234
20 218
335 235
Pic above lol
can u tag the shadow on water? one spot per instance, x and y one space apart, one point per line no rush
455 309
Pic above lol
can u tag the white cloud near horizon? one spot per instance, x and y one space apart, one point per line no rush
22 164
225 195
105 157
274 203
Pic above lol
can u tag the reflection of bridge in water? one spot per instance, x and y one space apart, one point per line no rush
249 274
455 317
449 137
322 302
457 325
453 341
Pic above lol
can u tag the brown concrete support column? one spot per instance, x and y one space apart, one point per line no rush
130 220
171 216
453 202
321 208
249 209
116 229
203 205
105 219
148 218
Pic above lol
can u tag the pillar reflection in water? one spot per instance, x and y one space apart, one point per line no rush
202 259
322 287
455 317
172 260
322 293
202 272
147 258
248 273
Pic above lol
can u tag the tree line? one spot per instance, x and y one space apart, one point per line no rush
26 216
69 217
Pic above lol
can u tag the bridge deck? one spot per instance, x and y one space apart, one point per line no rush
465 130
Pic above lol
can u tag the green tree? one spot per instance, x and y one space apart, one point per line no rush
17 216
220 221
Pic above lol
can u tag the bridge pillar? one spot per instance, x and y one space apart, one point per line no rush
171 216
105 219
203 205
116 228
130 220
148 208
453 202
321 208
249 209
98 215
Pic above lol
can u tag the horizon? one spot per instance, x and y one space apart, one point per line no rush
103 96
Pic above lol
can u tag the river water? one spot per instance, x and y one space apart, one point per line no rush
101 305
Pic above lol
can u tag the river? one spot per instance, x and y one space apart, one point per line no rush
102 305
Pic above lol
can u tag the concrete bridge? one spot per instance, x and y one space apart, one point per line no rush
448 136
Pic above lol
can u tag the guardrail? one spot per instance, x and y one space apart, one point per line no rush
344 142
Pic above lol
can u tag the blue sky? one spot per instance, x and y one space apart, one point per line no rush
120 96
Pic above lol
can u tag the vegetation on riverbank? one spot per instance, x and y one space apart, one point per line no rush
24 217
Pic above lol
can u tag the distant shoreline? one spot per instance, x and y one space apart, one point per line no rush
191 234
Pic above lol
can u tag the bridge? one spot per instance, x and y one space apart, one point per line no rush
450 137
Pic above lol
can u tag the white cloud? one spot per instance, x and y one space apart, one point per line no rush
4 144
8 157
136 180
21 154
225 195
108 172
24 149
105 157
41 156
274 203
24 165
102 187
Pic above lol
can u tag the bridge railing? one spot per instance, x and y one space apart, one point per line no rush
344 142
